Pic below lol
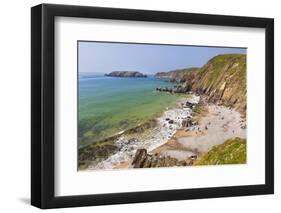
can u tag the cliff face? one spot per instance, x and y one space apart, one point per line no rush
222 80
134 74
175 75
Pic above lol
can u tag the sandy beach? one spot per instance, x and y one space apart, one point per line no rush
220 123
189 115
167 125
213 125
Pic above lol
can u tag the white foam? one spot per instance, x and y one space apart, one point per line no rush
155 138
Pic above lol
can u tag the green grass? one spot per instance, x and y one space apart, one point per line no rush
232 151
223 79
217 72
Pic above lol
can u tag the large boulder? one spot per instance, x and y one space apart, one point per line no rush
139 158
186 122
142 159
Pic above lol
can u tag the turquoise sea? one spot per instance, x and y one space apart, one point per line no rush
108 105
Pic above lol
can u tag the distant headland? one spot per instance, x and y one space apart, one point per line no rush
133 74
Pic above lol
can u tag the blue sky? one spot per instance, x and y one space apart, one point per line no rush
105 57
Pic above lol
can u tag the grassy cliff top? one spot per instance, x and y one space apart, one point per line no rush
232 151
223 79
176 74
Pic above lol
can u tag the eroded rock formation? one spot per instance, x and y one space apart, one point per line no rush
143 159
133 74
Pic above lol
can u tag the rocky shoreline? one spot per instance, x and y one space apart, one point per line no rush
148 136
212 126
101 150
179 137
143 159
215 125
212 115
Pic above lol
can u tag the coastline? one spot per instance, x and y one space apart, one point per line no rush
102 101
151 138
210 131
212 125
216 124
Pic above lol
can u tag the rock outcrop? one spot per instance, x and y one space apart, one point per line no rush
143 159
98 151
133 74
222 80
176 89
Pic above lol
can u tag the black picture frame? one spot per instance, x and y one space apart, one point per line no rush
43 110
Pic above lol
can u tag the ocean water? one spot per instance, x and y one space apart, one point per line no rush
109 105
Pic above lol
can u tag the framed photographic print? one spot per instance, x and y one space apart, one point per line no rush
139 106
